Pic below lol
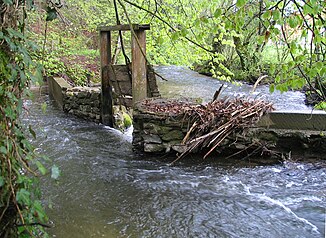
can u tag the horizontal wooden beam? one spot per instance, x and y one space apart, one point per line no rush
125 27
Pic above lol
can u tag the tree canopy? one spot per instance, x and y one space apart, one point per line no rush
250 40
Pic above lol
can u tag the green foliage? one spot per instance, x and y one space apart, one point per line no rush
285 40
235 40
321 106
127 121
64 52
21 212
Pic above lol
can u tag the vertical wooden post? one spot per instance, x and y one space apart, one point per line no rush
106 95
139 81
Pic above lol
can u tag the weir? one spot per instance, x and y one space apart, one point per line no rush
129 85
299 132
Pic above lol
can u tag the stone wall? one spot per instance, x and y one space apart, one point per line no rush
157 134
84 102
163 132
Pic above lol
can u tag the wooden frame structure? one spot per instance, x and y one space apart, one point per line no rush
138 66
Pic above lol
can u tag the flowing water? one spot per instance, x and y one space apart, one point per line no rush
106 190
183 82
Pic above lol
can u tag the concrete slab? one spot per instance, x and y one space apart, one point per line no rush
295 120
57 86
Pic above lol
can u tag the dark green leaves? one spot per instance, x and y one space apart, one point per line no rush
32 131
51 14
23 197
2 181
9 112
3 150
14 33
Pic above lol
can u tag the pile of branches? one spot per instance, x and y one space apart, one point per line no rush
210 124
214 122
170 107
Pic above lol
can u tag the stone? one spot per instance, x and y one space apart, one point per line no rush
136 138
69 94
179 148
96 96
173 135
82 95
268 136
95 103
152 148
157 129
152 138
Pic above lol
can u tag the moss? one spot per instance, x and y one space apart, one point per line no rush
127 121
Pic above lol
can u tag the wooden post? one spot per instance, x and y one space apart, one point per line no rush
139 81
106 95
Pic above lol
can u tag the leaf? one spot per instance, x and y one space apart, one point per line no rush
204 19
271 88
307 9
241 3
44 106
14 33
51 14
272 69
175 36
160 40
184 32
8 2
55 172
293 22
3 150
218 13
276 15
321 106
10 113
41 167
266 15
37 205
2 181
32 131
23 197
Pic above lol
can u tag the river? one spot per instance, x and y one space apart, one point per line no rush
106 190
183 82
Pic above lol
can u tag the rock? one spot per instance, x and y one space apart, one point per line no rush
179 148
82 95
152 138
150 148
173 135
156 129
